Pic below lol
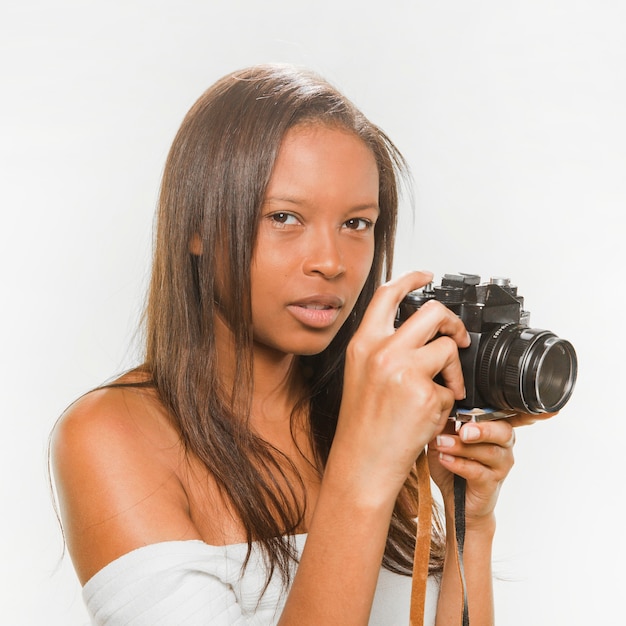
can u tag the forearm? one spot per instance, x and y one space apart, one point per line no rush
477 556
340 564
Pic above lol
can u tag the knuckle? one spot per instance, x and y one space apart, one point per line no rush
433 397
357 349
376 358
384 290
425 395
443 316
383 362
502 458
384 287
511 461
448 344
435 308
448 349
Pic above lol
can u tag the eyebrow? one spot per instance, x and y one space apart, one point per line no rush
282 199
297 201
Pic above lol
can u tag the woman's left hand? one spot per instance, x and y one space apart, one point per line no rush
482 453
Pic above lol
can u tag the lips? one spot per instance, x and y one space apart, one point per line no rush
317 311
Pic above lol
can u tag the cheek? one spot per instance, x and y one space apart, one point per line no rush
363 263
359 271
268 272
267 276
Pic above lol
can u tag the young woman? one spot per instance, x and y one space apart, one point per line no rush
258 467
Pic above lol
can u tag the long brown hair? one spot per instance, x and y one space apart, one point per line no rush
214 182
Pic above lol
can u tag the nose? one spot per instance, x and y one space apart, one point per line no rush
324 255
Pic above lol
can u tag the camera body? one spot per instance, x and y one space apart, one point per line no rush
509 367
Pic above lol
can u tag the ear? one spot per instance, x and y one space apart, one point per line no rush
195 245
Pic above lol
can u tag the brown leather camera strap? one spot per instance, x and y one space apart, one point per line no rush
421 558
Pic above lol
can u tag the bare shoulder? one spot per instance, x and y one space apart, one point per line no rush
115 459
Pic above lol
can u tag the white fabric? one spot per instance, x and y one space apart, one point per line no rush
191 583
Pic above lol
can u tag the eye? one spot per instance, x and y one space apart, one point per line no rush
283 219
358 223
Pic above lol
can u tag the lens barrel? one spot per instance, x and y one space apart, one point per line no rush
526 369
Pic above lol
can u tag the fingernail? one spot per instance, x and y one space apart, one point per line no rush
443 441
470 433
446 457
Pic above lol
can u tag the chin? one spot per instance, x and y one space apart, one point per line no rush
304 346
311 352
310 348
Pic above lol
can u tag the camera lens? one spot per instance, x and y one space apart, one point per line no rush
526 369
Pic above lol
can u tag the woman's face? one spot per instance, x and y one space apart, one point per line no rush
315 242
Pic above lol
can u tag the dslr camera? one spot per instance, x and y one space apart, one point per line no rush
509 367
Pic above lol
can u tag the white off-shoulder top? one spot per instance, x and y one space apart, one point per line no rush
191 583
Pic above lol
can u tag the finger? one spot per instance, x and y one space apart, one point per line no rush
441 357
526 419
498 432
455 454
475 471
381 311
431 319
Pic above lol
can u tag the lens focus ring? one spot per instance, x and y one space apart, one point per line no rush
525 369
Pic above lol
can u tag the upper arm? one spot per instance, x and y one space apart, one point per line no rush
115 480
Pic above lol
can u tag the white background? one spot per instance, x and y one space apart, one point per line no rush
513 118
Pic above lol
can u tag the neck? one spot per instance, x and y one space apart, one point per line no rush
276 381
277 384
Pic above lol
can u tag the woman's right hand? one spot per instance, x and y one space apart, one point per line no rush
391 406
390 409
